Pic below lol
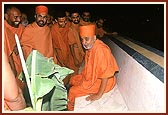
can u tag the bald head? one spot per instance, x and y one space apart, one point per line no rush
13 16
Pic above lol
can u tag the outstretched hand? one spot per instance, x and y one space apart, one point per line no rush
98 95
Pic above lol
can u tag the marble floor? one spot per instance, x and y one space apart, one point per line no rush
110 102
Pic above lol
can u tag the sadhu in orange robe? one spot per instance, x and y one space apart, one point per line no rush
99 63
10 46
10 43
37 38
61 46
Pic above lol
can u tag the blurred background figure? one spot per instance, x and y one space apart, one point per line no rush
100 32
24 20
86 18
68 17
50 21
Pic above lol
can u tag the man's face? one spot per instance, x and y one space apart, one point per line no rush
41 19
61 22
14 17
24 20
100 23
88 42
86 16
75 18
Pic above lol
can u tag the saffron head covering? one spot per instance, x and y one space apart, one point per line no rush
87 30
41 9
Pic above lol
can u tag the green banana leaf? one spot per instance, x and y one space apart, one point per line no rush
47 85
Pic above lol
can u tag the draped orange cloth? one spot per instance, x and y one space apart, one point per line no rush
37 38
68 23
17 31
99 63
60 42
10 43
74 39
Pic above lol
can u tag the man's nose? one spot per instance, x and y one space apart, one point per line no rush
18 19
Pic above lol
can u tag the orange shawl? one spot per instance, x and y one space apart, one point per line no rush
17 31
10 43
38 38
99 63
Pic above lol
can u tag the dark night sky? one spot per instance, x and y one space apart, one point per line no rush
141 22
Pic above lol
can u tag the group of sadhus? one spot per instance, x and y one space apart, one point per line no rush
70 44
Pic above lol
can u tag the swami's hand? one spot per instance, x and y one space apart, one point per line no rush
93 97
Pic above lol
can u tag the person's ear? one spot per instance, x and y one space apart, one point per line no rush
35 16
6 16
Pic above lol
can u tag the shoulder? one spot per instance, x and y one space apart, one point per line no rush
100 44
101 47
21 26
29 26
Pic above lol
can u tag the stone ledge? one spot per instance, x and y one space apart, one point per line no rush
140 58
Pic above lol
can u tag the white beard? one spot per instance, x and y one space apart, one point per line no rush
88 47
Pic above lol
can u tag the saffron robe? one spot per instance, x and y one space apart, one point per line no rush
99 63
60 43
10 43
74 39
37 38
